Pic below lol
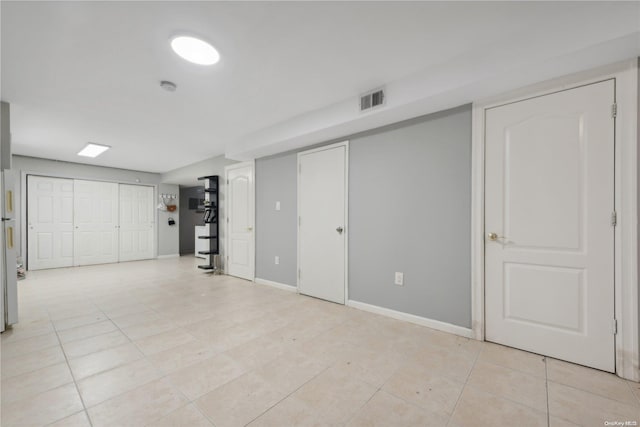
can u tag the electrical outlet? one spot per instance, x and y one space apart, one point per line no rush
399 279
277 206
277 260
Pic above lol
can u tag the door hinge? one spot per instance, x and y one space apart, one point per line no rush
614 110
614 218
614 326
299 275
227 220
227 182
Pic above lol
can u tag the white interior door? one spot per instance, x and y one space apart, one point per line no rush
96 222
240 221
322 187
136 222
549 203
49 222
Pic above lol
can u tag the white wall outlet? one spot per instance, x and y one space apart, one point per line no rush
399 279
277 206
277 260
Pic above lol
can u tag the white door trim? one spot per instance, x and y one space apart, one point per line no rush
626 203
222 185
346 213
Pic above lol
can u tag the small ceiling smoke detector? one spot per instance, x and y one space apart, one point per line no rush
93 150
168 86
195 50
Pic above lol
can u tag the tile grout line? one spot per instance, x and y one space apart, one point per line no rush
546 388
466 381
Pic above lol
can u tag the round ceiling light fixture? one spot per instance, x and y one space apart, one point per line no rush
195 50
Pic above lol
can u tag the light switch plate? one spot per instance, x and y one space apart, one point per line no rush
277 260
399 279
277 206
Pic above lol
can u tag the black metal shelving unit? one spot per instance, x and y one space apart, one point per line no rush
211 222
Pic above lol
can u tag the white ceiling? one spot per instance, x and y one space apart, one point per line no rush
76 72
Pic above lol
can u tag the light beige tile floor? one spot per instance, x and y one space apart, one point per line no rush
159 343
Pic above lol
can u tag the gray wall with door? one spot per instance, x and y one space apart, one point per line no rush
409 211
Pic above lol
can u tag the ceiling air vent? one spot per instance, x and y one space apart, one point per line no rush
372 100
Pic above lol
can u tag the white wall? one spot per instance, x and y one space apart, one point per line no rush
167 241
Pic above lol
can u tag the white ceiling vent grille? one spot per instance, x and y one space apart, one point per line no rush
372 100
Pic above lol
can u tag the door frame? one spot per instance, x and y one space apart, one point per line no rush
223 213
346 212
626 202
23 206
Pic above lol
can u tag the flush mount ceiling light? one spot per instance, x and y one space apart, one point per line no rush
195 50
93 150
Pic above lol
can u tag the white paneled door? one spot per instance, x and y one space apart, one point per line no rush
322 211
49 222
96 222
549 200
240 221
136 222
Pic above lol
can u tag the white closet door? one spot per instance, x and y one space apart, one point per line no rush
240 256
96 222
50 222
322 210
550 242
136 222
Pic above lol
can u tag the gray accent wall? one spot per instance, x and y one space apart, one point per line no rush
409 212
189 218
276 181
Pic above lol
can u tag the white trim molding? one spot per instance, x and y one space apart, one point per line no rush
412 318
626 203
168 256
281 286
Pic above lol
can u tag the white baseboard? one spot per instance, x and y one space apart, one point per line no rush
275 285
169 256
423 321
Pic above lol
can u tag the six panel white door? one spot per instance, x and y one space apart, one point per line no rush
136 222
322 223
49 222
96 221
240 214
549 200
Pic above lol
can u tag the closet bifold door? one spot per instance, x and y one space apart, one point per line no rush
95 206
136 222
49 222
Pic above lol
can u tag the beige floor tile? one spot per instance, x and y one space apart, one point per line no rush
203 377
591 380
369 366
32 383
182 356
43 408
28 345
427 389
164 341
80 419
519 360
121 310
290 412
510 384
559 422
26 329
584 408
187 416
94 344
290 371
31 361
104 360
100 387
87 331
143 330
258 351
385 410
635 389
447 363
477 408
138 407
338 397
239 402
74 322
135 318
